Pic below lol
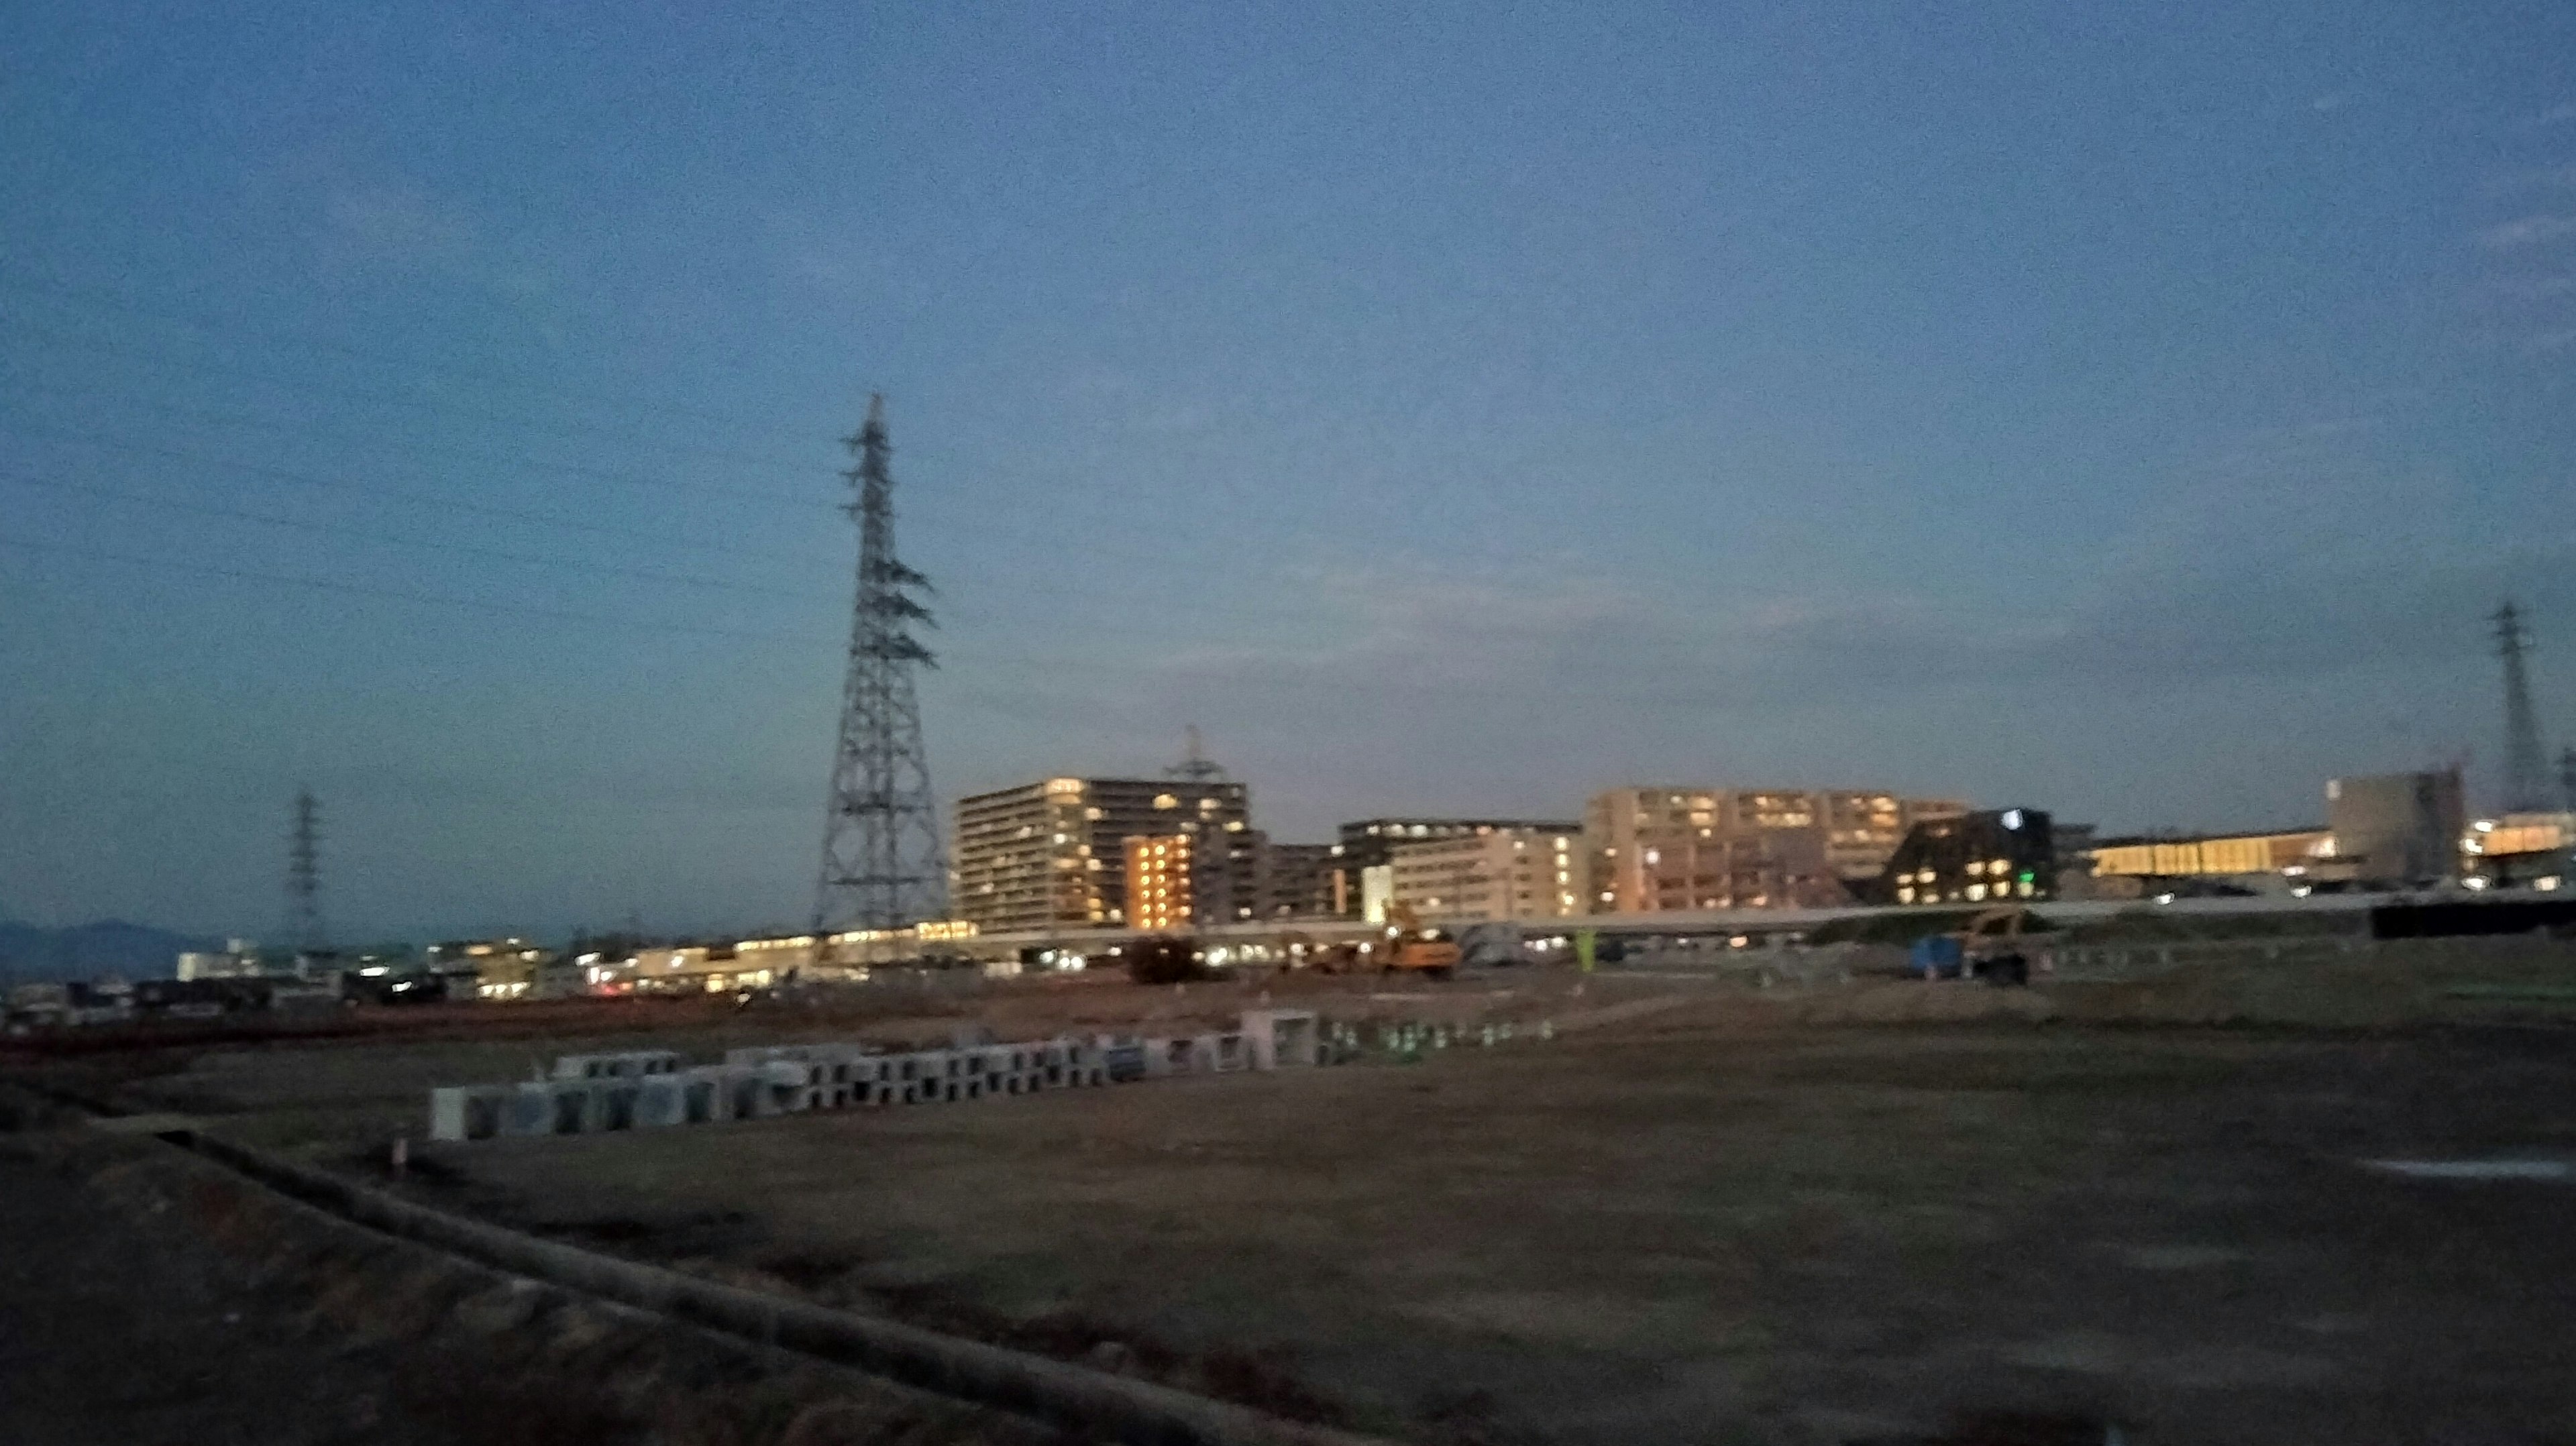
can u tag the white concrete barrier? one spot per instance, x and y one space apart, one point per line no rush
467 1112
1282 1038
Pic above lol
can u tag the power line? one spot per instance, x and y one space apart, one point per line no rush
104 301
368 489
1102 546
517 419
465 454
984 654
403 595
206 509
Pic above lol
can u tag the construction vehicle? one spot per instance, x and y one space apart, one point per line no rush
1987 947
1410 946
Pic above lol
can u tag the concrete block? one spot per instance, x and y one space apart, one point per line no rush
702 1095
612 1103
573 1107
625 1064
746 1093
529 1110
467 1112
661 1101
1282 1038
1128 1059
786 1086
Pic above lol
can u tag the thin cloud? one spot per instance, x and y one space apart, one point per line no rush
2529 231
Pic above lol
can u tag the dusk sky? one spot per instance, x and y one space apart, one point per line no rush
2130 411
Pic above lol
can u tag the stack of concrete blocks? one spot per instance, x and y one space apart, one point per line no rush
653 1089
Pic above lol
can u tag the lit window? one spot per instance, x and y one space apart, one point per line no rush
1165 800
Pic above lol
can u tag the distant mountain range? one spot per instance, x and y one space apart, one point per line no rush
108 946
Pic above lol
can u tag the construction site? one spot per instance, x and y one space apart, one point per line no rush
2268 1187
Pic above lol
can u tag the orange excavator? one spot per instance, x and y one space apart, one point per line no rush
1409 946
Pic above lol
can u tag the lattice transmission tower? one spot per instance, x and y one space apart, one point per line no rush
2526 771
304 875
882 863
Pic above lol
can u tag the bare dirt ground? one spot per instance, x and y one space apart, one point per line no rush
110 1332
1709 1210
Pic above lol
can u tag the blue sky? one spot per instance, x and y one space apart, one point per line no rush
2124 410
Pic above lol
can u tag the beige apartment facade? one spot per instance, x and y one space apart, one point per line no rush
1505 874
1651 850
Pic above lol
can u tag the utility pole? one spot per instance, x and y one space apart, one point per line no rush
2567 776
304 876
2526 775
883 866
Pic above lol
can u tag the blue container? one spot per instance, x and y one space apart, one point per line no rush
1939 956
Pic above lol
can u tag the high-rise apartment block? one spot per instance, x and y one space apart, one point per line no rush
1053 854
1509 873
1657 849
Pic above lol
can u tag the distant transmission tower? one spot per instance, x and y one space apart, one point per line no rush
882 864
304 875
1195 766
2526 775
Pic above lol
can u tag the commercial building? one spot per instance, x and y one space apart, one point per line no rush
1976 858
240 959
1359 878
2533 849
1052 854
1503 874
2398 829
500 968
1653 850
2253 862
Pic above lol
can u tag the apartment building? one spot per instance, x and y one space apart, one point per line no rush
1658 849
1509 873
1358 877
1052 854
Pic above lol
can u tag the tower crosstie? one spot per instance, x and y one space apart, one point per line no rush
2526 774
883 866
